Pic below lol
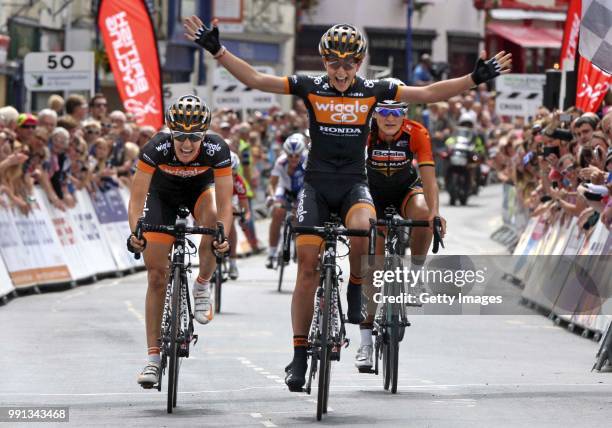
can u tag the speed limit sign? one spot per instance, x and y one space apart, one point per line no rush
59 71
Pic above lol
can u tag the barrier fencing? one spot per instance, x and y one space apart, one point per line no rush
551 268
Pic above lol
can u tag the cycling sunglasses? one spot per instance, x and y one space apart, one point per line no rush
336 63
395 112
192 136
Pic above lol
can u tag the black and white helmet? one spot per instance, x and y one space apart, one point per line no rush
295 144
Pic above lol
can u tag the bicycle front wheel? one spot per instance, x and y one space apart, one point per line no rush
394 356
325 360
173 357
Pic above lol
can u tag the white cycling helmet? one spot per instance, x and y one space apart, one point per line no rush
295 144
235 161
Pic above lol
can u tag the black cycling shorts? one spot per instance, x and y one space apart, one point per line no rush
398 196
323 195
161 207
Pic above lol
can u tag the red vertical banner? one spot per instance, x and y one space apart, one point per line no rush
571 32
592 86
129 39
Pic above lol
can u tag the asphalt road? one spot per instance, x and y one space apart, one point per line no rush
83 348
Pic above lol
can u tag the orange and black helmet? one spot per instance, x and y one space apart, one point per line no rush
188 114
343 40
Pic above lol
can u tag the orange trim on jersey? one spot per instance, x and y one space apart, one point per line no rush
305 240
184 171
200 200
413 191
145 167
287 88
222 172
159 238
357 206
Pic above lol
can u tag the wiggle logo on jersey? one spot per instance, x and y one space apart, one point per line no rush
338 110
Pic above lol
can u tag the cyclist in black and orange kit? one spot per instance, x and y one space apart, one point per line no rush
393 144
339 105
181 166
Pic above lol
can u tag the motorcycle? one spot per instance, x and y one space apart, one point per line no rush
462 162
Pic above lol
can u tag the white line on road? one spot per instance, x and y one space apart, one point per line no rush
133 311
248 388
268 424
256 415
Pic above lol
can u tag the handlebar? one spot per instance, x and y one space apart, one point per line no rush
335 231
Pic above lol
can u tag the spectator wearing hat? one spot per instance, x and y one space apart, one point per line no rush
26 124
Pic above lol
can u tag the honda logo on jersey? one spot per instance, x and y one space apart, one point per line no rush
341 110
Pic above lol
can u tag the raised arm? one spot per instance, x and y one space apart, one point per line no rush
440 91
208 38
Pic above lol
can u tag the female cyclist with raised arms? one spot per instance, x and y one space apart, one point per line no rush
393 143
339 105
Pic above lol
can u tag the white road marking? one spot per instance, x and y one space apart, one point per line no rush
356 386
258 369
256 415
133 311
272 377
268 424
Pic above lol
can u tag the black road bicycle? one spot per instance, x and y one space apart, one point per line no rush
327 333
391 321
288 249
177 319
221 273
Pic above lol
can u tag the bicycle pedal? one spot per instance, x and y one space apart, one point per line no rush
366 370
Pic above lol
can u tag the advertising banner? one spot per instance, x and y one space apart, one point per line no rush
112 215
30 248
592 86
571 32
6 285
129 38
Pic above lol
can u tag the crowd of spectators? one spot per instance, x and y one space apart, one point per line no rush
559 163
78 144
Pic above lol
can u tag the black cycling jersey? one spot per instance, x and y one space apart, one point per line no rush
339 122
157 157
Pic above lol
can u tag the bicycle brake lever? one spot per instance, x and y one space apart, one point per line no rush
437 224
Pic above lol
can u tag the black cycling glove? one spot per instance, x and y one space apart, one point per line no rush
208 38
485 70
131 248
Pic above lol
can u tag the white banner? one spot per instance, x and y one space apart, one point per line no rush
112 215
6 285
69 240
30 248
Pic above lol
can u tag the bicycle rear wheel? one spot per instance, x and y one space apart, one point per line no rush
325 360
173 357
386 362
285 253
